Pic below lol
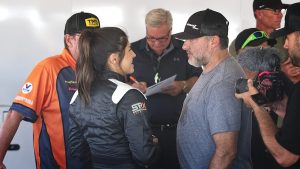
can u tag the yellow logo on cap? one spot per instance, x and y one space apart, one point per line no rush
92 22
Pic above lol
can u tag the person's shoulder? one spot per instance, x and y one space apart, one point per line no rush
51 62
230 70
123 90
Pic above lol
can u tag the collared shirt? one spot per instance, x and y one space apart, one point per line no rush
44 101
163 108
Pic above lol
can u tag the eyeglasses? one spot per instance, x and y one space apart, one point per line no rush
275 11
159 39
254 36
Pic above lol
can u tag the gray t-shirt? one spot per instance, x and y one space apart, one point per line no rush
211 108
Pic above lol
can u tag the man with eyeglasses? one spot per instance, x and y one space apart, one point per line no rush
268 15
44 101
158 57
283 143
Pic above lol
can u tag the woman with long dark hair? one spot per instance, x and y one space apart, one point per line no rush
108 118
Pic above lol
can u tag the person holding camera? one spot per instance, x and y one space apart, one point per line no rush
254 61
283 143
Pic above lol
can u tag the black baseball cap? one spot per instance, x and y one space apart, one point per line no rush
272 4
81 21
292 21
204 23
244 35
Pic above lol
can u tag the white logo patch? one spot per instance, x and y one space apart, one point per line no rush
27 88
193 26
138 108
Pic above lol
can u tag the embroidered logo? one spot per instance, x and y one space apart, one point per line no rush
92 22
176 59
138 108
71 85
27 88
194 26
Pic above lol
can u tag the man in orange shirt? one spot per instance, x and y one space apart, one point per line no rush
44 101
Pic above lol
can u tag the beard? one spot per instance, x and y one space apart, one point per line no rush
197 62
295 60
295 52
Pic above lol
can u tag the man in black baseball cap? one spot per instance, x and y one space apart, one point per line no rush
205 23
292 22
268 4
80 21
268 15
283 143
45 99
75 25
220 115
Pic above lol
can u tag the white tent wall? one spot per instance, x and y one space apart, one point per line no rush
33 29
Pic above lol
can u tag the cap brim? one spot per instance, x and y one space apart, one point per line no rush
278 33
184 36
258 42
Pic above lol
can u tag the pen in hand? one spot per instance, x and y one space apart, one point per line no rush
133 79
142 86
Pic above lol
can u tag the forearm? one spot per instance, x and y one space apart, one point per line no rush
8 130
222 160
268 131
226 148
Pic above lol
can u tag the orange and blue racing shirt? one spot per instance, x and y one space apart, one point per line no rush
44 100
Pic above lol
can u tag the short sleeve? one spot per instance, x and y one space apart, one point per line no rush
223 109
33 95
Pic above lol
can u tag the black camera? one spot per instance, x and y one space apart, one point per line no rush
270 86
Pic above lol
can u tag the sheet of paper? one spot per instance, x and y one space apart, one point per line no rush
157 88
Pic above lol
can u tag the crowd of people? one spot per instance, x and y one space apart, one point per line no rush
228 107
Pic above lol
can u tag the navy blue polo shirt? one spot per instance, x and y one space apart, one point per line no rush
164 109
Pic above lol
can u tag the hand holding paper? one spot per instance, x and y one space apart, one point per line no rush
174 88
159 87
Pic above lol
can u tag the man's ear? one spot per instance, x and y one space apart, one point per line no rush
68 40
214 41
258 14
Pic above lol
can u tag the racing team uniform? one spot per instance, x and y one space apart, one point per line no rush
44 100
114 126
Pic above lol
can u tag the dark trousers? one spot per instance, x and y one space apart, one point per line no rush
167 141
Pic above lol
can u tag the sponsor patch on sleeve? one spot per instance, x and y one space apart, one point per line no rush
138 108
27 88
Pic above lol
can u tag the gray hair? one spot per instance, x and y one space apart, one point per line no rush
257 59
158 17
